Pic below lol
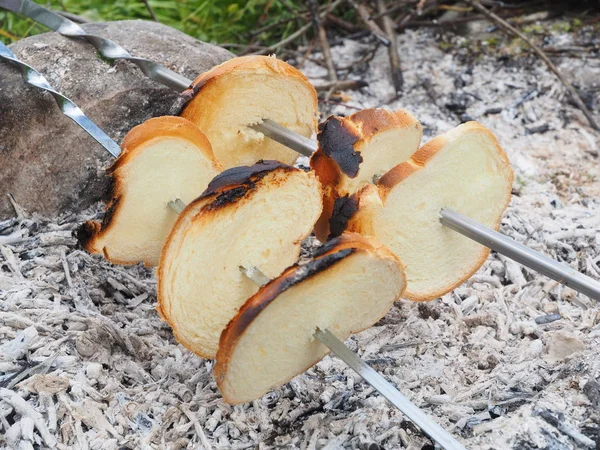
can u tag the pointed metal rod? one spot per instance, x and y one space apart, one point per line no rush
111 50
385 388
534 260
479 233
68 108
389 391
278 133
106 47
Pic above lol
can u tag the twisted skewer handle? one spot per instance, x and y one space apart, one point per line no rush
69 109
106 47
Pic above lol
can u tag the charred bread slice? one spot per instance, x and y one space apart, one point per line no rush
162 159
243 91
345 289
356 150
248 216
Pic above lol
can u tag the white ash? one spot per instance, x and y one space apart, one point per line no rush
85 362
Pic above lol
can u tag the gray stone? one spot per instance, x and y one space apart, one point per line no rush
47 162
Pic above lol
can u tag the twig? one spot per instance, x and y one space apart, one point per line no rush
199 431
19 210
322 35
508 27
341 23
25 410
396 70
342 85
150 10
299 32
65 265
365 16
390 11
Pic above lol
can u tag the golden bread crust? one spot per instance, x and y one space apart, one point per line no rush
328 255
360 222
226 190
192 107
134 142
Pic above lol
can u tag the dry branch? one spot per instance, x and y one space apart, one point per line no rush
322 36
343 85
365 16
150 10
510 29
396 70
341 23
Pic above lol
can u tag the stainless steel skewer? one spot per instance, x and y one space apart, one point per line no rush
385 388
69 109
530 258
503 244
389 391
486 236
111 50
106 47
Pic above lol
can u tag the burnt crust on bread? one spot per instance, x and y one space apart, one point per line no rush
325 257
136 138
336 140
339 157
242 175
245 62
338 137
227 188
233 184
343 209
88 231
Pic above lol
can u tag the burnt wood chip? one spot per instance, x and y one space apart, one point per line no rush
548 318
592 390
337 142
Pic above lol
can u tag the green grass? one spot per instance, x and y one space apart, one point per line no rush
218 21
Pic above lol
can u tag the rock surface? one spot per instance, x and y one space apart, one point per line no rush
48 163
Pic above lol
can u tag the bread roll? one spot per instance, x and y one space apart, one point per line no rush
464 170
348 287
244 91
355 151
162 159
253 216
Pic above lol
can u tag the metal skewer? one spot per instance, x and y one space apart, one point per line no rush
385 388
393 395
486 236
534 260
106 47
278 133
69 109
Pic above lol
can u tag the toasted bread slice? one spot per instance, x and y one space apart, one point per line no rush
356 150
345 289
464 170
249 216
162 159
244 91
